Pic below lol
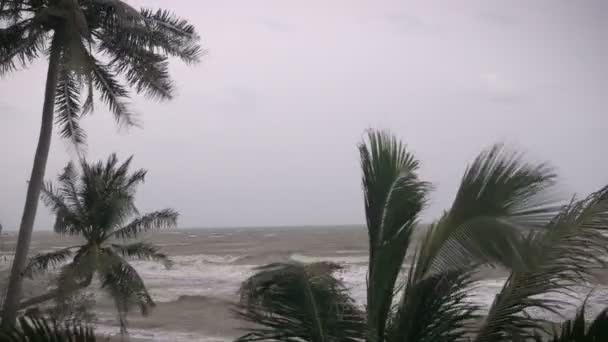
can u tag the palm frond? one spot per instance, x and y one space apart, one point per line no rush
67 102
295 302
20 43
160 33
124 284
120 9
559 258
168 23
67 220
42 262
111 91
578 330
156 220
144 69
500 196
394 196
435 309
40 329
142 251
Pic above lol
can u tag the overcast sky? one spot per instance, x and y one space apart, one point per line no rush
264 130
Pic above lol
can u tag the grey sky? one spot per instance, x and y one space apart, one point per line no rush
264 130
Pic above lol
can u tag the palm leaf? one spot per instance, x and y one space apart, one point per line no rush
142 251
43 330
500 196
43 261
67 102
111 91
124 284
156 220
67 220
559 258
435 309
295 302
20 43
578 330
394 196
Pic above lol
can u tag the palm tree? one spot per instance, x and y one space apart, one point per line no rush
500 199
90 44
96 205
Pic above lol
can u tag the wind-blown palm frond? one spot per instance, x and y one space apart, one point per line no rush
560 257
67 101
111 91
294 302
500 196
67 221
435 309
142 251
43 330
156 220
20 43
42 262
578 330
394 196
124 284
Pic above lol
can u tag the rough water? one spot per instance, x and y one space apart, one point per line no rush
195 297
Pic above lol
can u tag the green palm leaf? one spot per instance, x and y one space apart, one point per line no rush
156 220
578 330
559 258
500 196
43 261
142 251
394 196
295 302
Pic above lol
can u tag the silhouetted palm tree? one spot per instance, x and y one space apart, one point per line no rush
90 44
500 200
96 205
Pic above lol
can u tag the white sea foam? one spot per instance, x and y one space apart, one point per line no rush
354 259
173 244
158 335
194 275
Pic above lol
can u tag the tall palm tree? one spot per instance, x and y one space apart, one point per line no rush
96 205
500 199
90 44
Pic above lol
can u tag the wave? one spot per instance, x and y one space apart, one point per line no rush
158 335
354 259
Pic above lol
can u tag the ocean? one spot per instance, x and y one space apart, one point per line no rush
196 296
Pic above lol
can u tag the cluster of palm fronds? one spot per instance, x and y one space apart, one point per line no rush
95 42
505 214
96 204
36 329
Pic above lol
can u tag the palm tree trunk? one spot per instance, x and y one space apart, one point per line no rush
13 294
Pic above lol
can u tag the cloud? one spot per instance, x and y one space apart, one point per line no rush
500 88
407 22
275 25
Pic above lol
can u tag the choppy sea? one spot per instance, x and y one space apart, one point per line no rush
196 295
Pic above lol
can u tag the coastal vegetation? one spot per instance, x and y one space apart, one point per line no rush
505 214
93 47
